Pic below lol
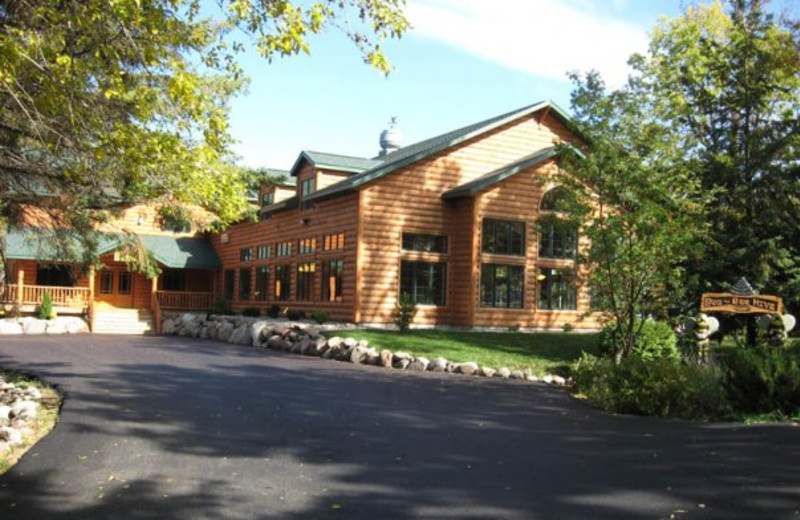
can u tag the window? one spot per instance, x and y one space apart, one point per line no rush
54 275
268 198
305 280
266 216
557 238
106 282
332 272
283 249
556 199
245 254
263 252
124 282
557 290
306 188
306 246
228 285
283 282
503 237
424 243
425 282
177 223
173 280
502 286
245 278
333 242
262 283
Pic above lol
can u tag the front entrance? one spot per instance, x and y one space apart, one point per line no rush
114 287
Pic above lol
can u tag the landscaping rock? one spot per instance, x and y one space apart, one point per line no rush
33 326
503 372
10 326
350 342
386 358
373 357
453 368
256 331
75 325
5 412
56 327
306 346
168 327
469 368
438 364
26 410
241 335
517 374
358 354
419 364
320 346
225 330
487 371
10 435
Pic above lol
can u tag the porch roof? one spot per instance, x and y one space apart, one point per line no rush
170 251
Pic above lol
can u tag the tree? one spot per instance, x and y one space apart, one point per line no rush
636 202
108 102
728 84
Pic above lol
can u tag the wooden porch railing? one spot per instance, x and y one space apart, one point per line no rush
185 300
73 297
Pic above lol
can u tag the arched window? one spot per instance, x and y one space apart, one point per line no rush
558 237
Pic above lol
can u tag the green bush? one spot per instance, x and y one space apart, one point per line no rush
656 340
252 312
763 380
404 312
46 311
319 316
294 314
665 387
220 306
274 310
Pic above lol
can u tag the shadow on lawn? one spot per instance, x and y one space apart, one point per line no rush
256 434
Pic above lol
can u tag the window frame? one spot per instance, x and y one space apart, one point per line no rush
565 287
282 283
261 287
415 242
245 284
510 293
415 285
328 274
491 234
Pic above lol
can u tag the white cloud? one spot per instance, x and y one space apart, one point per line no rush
545 38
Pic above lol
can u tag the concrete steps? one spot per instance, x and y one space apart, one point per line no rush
123 321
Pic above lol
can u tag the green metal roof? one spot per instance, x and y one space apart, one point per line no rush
331 161
418 151
171 251
490 179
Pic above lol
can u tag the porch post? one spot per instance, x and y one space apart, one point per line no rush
90 303
155 307
20 285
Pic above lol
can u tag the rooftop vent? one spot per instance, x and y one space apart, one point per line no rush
391 138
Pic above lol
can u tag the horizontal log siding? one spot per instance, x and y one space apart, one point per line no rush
517 198
336 215
410 199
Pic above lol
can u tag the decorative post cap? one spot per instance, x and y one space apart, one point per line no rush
743 288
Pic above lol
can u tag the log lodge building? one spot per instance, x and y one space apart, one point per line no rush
455 221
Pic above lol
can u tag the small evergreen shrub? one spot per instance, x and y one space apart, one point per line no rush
664 387
274 311
252 312
220 306
319 316
404 312
763 380
46 311
656 340
294 314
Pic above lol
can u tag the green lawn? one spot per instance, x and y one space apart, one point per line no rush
542 352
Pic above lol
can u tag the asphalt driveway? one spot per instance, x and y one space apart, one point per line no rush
157 428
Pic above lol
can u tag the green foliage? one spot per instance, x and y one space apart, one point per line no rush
252 312
663 387
221 305
295 314
654 340
274 311
764 380
46 310
404 312
319 316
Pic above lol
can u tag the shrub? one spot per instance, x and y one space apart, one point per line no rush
252 312
220 306
46 311
655 341
665 387
319 316
763 380
404 312
274 310
568 327
294 314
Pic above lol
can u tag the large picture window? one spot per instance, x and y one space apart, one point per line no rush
305 280
557 290
424 243
283 282
503 237
262 283
502 286
245 281
424 282
558 238
332 275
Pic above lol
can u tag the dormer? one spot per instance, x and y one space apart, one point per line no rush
314 171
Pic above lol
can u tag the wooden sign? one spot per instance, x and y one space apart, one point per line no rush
741 304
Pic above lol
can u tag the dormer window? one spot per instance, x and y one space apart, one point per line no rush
268 198
307 187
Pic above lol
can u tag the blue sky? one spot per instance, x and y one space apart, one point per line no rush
465 60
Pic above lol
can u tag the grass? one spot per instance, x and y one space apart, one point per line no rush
542 352
46 419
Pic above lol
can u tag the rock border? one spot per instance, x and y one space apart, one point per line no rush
306 339
29 325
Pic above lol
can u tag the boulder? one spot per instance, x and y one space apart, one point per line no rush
335 343
517 374
453 368
401 363
25 410
438 364
386 358
469 368
224 330
373 357
10 326
241 335
295 347
320 346
420 364
256 331
168 327
56 327
487 371
278 343
34 326
76 325
358 354
503 372
345 353
350 342
10 435
5 412
328 354
307 346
